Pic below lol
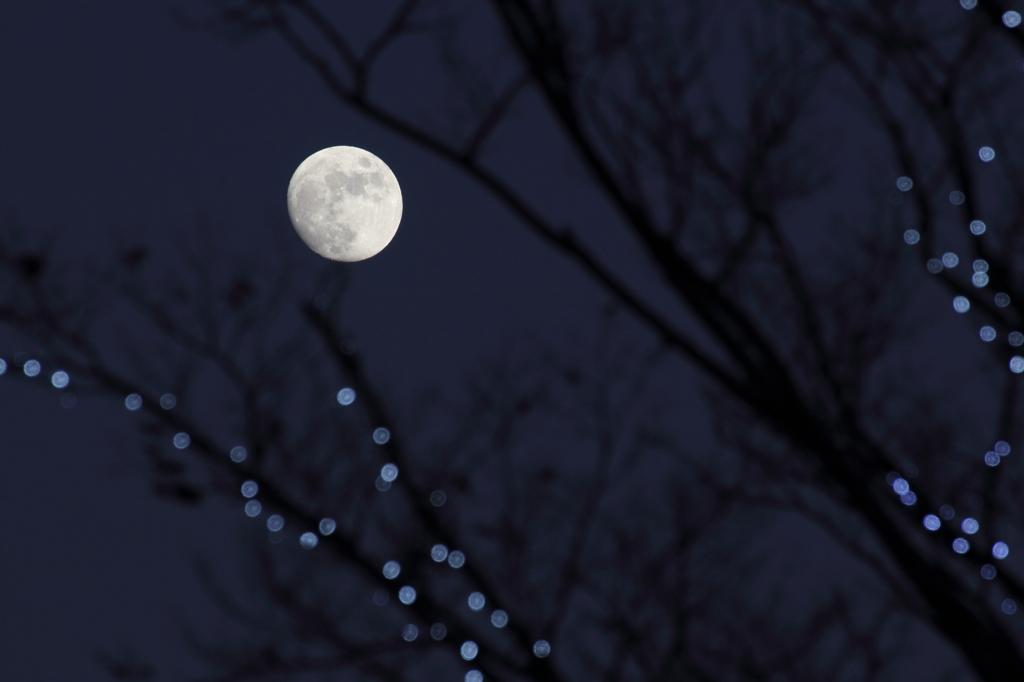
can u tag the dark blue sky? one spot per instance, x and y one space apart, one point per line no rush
114 116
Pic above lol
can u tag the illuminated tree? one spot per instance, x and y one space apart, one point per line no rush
808 182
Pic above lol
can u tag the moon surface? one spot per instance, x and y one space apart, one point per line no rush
345 203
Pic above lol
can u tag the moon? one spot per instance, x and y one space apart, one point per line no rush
345 203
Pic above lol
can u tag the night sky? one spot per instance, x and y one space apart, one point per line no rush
116 117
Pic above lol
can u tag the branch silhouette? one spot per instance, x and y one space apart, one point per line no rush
801 352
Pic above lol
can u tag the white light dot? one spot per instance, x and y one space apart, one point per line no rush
956 198
988 333
381 436
988 571
1002 448
900 486
168 401
979 279
904 184
308 540
950 259
474 676
407 595
437 498
499 619
32 368
439 553
238 454
133 402
1017 364
932 522
960 546
3 366
275 523
541 648
469 650
438 631
392 569
381 484
59 379
934 266
476 601
991 459
1015 338
389 472
327 526
1002 300
908 498
1010 606
980 265
1000 550
969 526
181 440
961 304
253 508
911 236
977 227
1011 19
346 396
968 4
456 559
410 632
986 154
250 488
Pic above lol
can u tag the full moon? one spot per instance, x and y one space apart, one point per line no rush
345 203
